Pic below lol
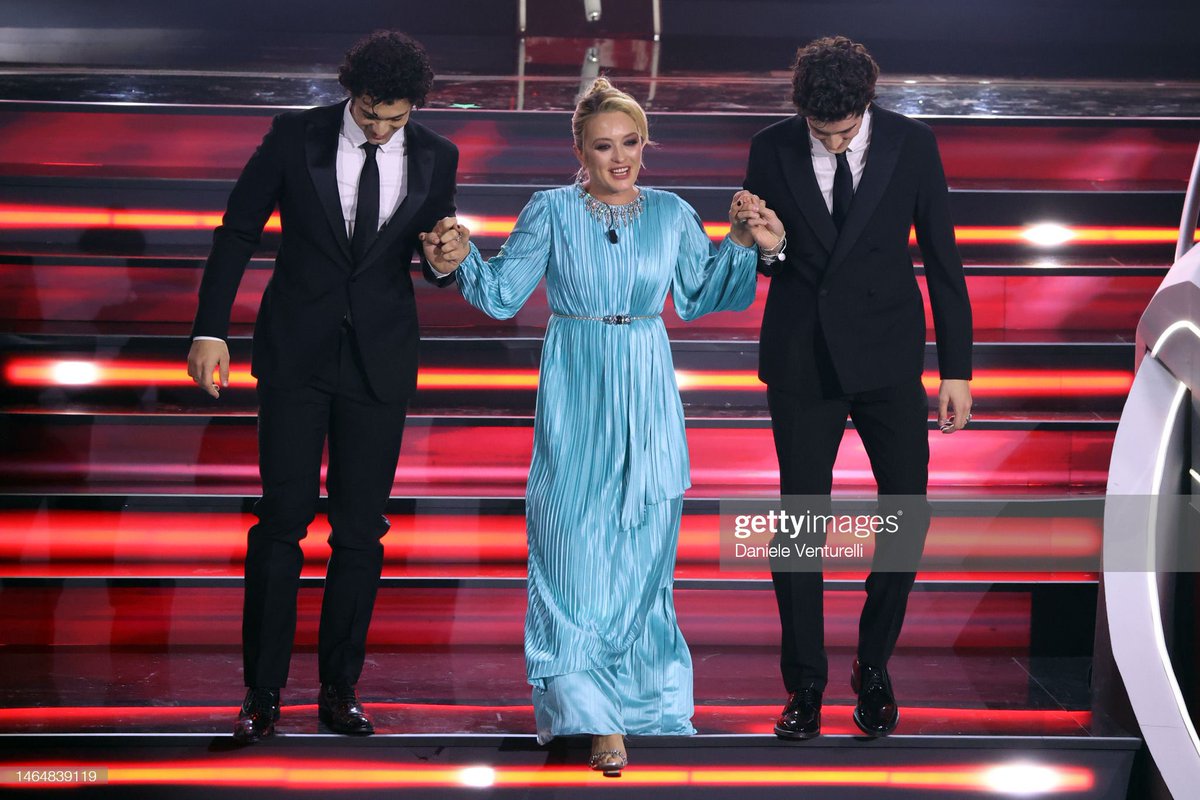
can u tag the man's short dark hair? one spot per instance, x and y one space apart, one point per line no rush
387 66
833 78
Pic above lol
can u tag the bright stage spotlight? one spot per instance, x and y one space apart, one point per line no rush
478 777
1048 234
76 373
1022 780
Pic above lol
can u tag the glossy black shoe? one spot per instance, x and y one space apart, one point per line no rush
876 712
257 717
801 717
339 709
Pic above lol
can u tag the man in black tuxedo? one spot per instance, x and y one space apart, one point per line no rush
335 353
843 334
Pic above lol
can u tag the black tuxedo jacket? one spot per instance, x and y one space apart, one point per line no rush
316 281
857 290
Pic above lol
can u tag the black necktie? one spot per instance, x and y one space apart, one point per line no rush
843 189
366 215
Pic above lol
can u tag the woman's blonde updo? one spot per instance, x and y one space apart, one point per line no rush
602 98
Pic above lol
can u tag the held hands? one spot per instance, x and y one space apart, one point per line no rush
206 356
751 222
954 405
446 245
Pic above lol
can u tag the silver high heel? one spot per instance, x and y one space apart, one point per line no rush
610 762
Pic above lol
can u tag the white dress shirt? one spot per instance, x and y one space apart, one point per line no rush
825 163
393 175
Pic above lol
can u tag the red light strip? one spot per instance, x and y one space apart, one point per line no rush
126 456
747 719
45 217
82 537
320 774
28 217
57 372
316 569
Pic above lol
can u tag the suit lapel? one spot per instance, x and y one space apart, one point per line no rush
884 152
796 160
419 165
321 151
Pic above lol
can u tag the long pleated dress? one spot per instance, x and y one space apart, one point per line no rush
603 649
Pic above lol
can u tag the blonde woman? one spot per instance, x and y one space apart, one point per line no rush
603 650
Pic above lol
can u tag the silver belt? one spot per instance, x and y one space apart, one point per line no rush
609 319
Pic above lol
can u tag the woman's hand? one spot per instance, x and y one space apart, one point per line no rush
751 222
446 245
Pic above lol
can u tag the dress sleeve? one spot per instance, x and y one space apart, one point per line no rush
710 278
500 286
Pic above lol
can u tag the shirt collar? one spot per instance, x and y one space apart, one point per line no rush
357 138
859 144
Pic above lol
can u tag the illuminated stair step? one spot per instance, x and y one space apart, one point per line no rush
70 542
143 295
73 614
122 454
707 148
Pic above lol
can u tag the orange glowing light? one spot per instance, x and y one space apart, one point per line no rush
488 226
485 379
46 372
14 215
42 217
316 774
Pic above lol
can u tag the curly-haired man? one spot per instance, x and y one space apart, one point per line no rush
334 351
843 335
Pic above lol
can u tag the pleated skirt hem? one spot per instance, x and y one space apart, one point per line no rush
547 736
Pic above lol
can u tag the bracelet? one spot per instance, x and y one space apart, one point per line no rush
775 253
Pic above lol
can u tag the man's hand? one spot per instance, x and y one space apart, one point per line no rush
954 405
446 245
751 222
205 357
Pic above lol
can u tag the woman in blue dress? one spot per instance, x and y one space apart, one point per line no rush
603 650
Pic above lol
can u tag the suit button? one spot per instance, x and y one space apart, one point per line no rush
824 293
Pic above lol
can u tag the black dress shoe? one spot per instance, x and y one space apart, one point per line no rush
258 715
876 713
339 709
801 717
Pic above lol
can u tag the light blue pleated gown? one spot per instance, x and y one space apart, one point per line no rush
603 650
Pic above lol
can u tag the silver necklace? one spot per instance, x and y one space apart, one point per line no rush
612 217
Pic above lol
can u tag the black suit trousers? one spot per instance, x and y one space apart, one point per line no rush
892 423
364 437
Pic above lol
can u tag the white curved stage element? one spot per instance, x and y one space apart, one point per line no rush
1134 599
1151 456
